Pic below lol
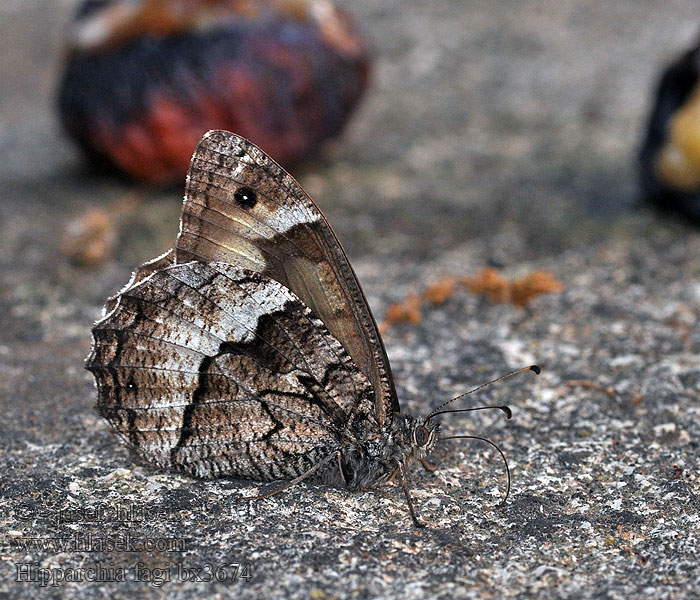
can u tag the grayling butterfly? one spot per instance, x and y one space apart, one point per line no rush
249 351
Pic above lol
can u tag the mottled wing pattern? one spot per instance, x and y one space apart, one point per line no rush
242 208
216 370
160 262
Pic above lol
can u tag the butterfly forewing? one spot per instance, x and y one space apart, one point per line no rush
242 208
218 371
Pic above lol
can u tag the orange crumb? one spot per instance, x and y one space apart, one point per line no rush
629 535
88 240
440 291
588 384
489 283
533 284
408 310
497 288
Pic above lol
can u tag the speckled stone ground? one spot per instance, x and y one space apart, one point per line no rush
495 134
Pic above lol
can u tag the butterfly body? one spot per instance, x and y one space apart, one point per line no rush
374 461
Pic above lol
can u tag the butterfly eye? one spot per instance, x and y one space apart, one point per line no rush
421 435
245 197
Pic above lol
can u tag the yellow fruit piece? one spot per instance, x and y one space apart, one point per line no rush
678 162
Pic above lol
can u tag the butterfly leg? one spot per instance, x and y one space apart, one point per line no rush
416 522
429 466
341 468
289 484
393 475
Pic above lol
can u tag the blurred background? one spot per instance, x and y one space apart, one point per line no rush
515 124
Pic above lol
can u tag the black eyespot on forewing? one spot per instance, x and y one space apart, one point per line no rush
421 435
245 197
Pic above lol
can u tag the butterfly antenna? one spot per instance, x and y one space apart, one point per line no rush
505 409
534 368
503 456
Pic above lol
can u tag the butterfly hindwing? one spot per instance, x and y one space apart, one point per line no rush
242 208
160 262
217 370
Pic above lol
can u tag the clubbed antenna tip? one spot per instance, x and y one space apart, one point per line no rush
438 410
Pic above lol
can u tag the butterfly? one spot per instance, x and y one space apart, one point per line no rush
248 350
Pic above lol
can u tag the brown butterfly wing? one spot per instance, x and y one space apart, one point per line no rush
160 262
215 370
242 208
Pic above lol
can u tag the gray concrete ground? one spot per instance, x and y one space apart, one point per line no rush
496 133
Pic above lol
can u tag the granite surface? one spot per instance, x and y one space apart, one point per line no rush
495 134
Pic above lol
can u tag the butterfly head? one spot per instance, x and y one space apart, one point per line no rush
425 435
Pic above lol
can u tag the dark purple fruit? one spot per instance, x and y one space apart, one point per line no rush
145 80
